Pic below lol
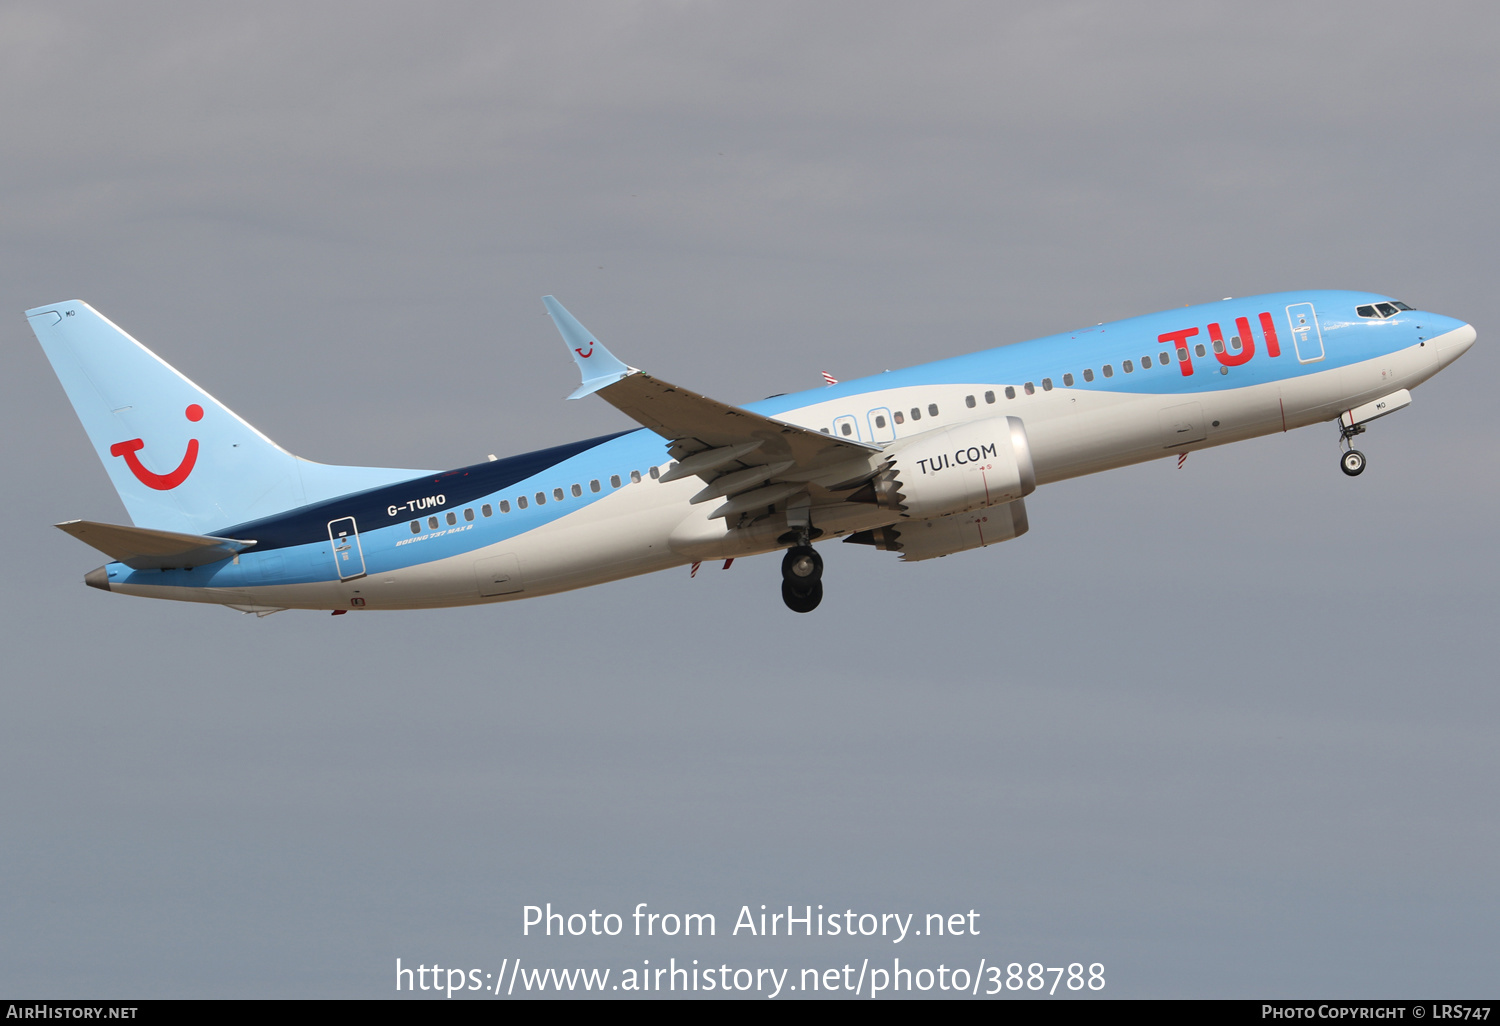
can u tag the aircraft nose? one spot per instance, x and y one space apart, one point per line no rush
1454 343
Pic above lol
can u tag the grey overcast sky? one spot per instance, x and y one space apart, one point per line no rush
1228 730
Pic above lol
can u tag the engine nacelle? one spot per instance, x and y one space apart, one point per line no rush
972 466
956 532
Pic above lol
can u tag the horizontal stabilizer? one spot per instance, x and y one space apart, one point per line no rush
142 548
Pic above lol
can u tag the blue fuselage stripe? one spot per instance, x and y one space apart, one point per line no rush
411 499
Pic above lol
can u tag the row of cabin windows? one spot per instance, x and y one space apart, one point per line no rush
1164 358
522 502
847 429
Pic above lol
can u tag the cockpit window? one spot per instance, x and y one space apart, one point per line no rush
1381 310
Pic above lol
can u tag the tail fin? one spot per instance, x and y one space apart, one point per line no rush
180 459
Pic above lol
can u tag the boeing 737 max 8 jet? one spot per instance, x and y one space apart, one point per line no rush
923 462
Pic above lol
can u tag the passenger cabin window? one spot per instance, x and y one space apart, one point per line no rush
504 505
1201 351
969 401
989 397
1010 391
1182 353
899 417
1163 358
1029 388
1067 381
1088 374
1046 384
520 502
452 518
635 477
468 514
487 510
932 409
1218 345
655 473
614 480
1129 367
594 485
825 431
541 498
846 429
1109 371
432 524
880 420
916 414
577 491
416 527
1145 362
557 494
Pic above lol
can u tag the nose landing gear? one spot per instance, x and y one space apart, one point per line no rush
1352 462
802 578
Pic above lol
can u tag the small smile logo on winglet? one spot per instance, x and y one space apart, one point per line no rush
588 354
161 482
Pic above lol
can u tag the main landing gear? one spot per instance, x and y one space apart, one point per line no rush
1352 462
802 578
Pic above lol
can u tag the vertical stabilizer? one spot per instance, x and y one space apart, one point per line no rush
180 459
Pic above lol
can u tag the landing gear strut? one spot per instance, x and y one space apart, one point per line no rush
1352 462
802 578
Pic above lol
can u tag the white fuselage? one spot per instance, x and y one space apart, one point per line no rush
648 526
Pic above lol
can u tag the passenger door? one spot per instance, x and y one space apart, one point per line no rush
1306 334
348 556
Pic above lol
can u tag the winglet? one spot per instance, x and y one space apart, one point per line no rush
598 365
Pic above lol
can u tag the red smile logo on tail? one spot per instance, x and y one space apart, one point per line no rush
161 482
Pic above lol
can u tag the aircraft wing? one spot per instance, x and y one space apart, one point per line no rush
750 460
142 548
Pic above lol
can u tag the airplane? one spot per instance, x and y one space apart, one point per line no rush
923 462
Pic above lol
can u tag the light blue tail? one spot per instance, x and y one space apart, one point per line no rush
180 459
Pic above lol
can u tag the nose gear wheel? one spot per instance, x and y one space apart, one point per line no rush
1352 461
